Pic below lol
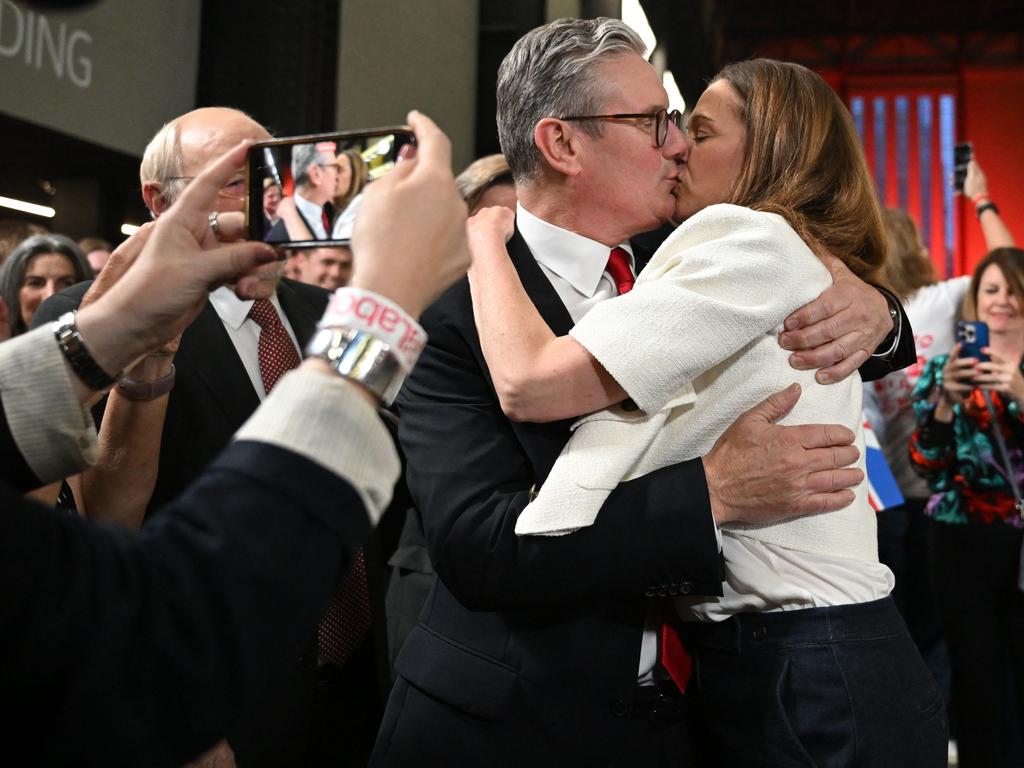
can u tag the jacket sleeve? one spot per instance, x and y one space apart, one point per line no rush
904 355
141 648
470 472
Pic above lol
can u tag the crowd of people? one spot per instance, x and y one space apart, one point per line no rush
600 501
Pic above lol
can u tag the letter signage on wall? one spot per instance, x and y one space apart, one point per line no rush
111 73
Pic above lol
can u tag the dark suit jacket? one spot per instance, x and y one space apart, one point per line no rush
144 648
212 397
533 639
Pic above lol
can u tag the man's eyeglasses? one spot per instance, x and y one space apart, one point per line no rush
234 189
661 119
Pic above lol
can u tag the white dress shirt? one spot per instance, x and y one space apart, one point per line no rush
245 333
313 214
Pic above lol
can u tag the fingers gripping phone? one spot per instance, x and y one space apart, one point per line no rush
973 336
305 191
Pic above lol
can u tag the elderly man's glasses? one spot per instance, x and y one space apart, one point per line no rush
234 189
661 120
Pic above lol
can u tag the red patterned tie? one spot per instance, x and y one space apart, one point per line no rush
618 268
277 353
347 619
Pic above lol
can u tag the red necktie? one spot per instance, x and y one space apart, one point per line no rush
672 654
326 220
618 268
277 353
347 618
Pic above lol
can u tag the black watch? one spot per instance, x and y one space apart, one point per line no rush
65 330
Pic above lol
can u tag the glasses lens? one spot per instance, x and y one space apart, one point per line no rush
660 127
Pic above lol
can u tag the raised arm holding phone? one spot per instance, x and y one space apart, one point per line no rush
156 672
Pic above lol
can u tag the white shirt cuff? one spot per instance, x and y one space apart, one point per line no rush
54 432
324 418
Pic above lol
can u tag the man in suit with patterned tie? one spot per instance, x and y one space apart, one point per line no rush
546 650
226 363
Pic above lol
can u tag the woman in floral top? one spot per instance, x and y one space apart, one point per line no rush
976 532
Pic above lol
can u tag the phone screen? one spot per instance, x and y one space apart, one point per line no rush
305 191
972 335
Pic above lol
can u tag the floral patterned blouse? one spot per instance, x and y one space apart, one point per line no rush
961 460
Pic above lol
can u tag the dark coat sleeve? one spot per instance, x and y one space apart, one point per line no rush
905 354
14 470
143 648
470 472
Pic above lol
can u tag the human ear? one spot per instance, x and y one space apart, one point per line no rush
559 144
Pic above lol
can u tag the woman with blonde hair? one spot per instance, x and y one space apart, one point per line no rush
804 658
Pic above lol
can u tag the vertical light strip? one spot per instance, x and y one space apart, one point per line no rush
881 154
947 137
924 153
901 109
857 110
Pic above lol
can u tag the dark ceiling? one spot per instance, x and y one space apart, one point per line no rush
851 36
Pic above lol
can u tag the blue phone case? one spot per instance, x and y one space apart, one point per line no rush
972 335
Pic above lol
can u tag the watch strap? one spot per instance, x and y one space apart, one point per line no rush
360 357
85 367
141 391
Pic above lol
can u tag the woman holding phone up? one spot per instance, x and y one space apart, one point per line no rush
969 445
804 658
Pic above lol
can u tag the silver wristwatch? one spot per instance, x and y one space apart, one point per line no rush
360 357
65 330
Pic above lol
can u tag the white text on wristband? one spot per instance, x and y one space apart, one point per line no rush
368 311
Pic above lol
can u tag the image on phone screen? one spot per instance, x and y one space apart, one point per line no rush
305 191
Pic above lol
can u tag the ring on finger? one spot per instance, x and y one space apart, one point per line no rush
214 226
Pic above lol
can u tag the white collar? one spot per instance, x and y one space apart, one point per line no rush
578 260
233 310
312 212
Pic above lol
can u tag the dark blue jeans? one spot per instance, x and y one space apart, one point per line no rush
838 686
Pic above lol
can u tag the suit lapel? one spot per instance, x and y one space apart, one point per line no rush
212 359
542 442
538 287
302 313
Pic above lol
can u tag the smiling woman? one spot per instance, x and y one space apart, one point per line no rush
37 268
969 446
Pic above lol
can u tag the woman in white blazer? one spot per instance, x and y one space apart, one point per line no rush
804 659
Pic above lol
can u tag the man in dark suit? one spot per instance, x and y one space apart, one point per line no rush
545 650
217 384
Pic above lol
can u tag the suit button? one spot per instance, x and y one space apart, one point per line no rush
662 592
686 588
760 633
620 708
648 592
674 590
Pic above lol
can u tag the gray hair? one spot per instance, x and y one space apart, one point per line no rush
12 274
162 162
303 156
551 72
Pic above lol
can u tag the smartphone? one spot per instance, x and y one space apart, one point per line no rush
962 154
305 191
972 335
